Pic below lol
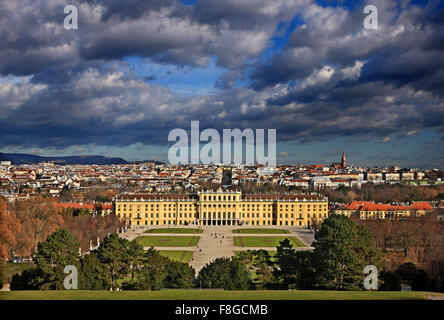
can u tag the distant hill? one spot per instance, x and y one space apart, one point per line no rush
146 161
22 158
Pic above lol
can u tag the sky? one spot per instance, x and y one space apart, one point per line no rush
134 70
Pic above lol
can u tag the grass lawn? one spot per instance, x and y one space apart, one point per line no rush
174 230
177 255
195 294
260 230
264 241
168 241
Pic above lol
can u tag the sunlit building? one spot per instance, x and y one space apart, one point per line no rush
221 208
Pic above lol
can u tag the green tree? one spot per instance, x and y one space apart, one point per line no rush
2 275
305 270
410 274
390 281
30 279
115 255
246 256
135 257
286 269
230 274
261 257
407 271
294 269
59 250
342 250
151 273
420 282
179 275
264 268
239 276
92 274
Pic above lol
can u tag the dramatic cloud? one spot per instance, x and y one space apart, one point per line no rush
310 71
116 108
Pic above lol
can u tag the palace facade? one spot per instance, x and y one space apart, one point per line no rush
221 208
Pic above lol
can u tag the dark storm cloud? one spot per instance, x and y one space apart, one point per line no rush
408 48
109 107
331 78
33 37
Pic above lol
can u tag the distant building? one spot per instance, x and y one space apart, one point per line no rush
321 182
340 165
368 210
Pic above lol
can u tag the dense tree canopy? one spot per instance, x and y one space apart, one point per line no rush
342 250
58 251
226 273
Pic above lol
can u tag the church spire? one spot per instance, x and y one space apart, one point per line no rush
343 160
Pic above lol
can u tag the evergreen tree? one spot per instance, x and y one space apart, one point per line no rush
390 281
342 250
59 250
239 276
92 275
305 270
230 274
151 273
179 275
114 255
30 279
264 268
286 269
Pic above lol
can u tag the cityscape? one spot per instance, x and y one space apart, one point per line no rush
224 207
212 159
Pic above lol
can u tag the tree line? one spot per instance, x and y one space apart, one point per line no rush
417 240
342 249
385 193
116 264
24 224
119 264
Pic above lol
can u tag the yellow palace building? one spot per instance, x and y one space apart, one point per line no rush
220 208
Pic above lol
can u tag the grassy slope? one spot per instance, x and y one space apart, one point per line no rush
213 295
168 241
265 241
174 230
260 230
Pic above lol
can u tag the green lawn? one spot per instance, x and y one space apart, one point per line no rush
168 241
264 241
260 230
177 255
174 230
195 294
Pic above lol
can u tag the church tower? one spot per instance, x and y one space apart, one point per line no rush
343 163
